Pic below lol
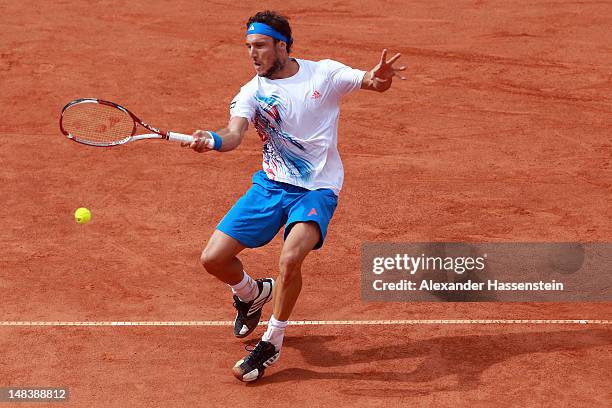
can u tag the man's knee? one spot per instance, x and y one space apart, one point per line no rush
290 264
212 261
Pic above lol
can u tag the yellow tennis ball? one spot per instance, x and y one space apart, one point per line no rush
82 215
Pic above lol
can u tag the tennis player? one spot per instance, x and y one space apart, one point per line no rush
294 106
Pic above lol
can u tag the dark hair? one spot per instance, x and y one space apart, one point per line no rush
275 20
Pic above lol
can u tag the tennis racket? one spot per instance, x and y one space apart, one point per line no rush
95 122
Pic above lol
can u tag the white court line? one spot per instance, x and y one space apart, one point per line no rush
305 322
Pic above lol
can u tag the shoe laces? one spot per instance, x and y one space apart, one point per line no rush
240 306
258 354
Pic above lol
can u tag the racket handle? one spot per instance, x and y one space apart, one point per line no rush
179 137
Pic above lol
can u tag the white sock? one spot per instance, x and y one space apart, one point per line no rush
275 332
246 289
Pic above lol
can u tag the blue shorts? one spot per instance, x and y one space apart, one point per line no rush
260 213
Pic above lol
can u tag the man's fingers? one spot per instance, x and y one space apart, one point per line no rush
383 57
190 144
201 144
394 58
199 141
395 73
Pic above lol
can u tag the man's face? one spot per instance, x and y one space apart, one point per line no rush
265 54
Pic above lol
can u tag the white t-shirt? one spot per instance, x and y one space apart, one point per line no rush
297 120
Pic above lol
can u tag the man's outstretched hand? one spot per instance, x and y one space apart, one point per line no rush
385 70
380 77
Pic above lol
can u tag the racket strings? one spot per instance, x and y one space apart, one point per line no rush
97 124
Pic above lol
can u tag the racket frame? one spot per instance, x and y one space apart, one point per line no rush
157 133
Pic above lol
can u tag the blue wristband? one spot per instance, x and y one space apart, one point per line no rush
217 139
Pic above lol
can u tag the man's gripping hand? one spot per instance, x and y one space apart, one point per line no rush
202 141
225 139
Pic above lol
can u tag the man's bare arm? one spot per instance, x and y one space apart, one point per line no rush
231 136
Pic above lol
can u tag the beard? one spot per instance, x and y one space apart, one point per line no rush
277 65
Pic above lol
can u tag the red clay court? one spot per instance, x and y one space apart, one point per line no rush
501 133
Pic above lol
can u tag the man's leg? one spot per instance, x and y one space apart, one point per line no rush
299 242
219 259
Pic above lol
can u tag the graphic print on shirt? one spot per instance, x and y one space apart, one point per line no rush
281 151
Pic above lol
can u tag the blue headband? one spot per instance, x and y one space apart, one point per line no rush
261 28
